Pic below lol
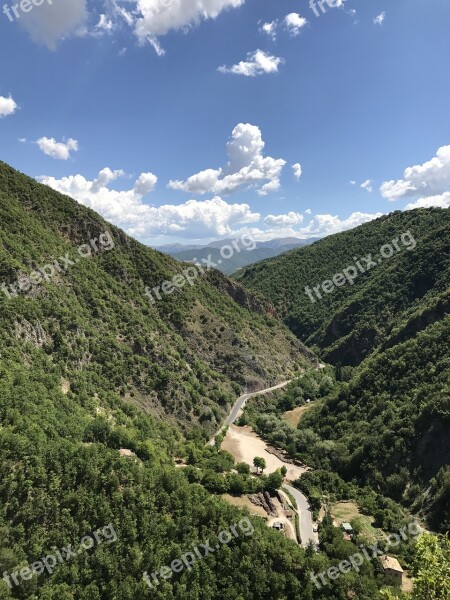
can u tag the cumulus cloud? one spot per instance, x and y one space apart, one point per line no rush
297 168
49 23
145 184
58 150
432 178
152 19
246 166
367 185
193 220
126 209
322 225
257 63
441 201
7 106
379 20
290 219
270 29
319 225
294 23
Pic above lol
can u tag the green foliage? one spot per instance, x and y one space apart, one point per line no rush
386 426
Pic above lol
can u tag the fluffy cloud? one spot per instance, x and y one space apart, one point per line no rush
270 29
319 226
7 106
294 23
58 150
126 209
152 19
290 219
206 220
297 168
432 178
257 63
379 20
49 23
322 225
246 166
367 185
441 201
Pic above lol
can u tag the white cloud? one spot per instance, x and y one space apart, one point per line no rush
58 150
379 20
105 24
441 201
7 106
297 168
294 23
290 219
192 220
308 211
322 225
246 166
145 184
257 63
269 29
126 209
319 226
152 19
367 185
49 23
432 178
352 182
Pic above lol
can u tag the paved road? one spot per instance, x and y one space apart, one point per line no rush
306 521
240 404
304 510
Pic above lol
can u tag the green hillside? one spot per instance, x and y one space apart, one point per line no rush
90 367
387 426
178 356
387 301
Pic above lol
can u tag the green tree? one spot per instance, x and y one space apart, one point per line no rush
259 463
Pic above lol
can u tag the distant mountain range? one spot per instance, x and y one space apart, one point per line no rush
239 259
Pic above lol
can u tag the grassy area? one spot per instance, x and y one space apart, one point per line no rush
348 512
293 417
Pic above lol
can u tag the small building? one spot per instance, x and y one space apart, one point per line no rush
347 528
392 569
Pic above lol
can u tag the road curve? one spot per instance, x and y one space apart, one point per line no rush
240 404
305 515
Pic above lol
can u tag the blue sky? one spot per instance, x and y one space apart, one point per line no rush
194 112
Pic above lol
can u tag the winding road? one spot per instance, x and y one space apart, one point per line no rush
240 404
307 533
304 510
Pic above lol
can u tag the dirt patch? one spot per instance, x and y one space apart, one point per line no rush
244 502
244 444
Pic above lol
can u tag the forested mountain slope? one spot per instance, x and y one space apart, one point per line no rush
91 374
388 424
393 299
175 356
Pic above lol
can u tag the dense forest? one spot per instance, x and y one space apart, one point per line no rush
107 400
386 424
